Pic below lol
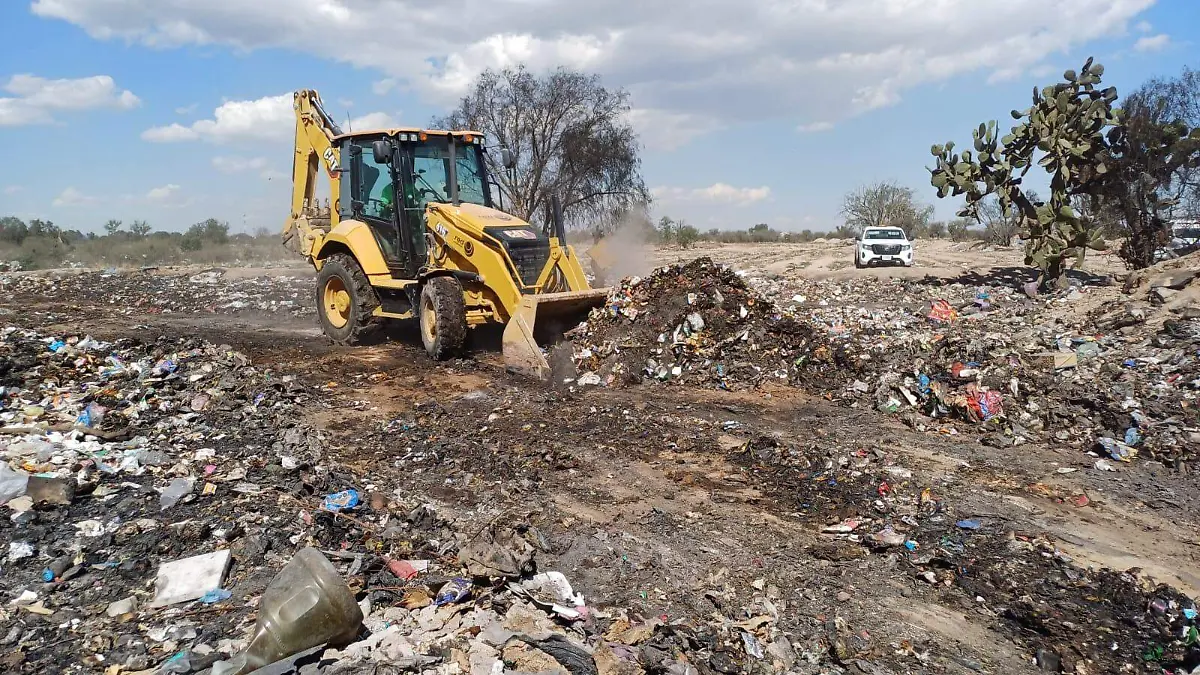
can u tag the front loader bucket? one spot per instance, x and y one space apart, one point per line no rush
542 319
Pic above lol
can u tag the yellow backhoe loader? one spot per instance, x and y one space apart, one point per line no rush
410 230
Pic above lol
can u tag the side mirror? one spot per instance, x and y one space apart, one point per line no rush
506 158
382 152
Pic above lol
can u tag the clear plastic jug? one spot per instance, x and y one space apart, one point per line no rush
306 605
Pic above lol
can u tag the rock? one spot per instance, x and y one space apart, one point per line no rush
844 596
249 549
58 491
1162 295
483 659
1048 660
122 607
722 662
782 653
1176 281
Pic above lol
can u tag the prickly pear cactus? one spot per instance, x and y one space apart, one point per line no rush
1067 132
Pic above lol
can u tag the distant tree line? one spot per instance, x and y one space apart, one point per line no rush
41 243
670 232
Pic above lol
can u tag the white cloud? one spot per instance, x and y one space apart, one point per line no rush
165 194
1152 43
375 120
1143 27
665 130
814 127
73 197
13 189
36 99
239 164
169 196
269 118
720 193
704 68
382 87
266 118
235 165
170 134
186 109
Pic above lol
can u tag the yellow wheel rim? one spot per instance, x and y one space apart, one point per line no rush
428 320
336 302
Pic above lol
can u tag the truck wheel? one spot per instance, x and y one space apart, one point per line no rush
345 300
857 263
443 317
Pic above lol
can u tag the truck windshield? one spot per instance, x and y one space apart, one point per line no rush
431 164
884 234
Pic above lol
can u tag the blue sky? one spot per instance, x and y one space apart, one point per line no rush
757 111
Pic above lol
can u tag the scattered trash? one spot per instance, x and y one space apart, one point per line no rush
941 311
128 422
455 590
552 590
1117 450
189 578
122 607
216 595
341 501
177 490
403 569
307 604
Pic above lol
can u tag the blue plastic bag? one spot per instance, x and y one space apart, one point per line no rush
455 590
340 501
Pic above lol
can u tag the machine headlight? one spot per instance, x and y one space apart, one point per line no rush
905 247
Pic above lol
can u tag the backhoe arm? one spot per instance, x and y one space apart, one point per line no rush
315 132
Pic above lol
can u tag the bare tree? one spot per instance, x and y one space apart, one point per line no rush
959 229
139 228
1155 177
568 135
885 204
998 227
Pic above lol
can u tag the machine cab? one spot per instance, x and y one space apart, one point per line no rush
395 174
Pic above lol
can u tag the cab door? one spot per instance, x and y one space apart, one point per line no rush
373 202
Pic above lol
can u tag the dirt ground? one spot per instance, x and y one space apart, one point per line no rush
691 503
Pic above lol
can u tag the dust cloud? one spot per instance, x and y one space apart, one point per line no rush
622 252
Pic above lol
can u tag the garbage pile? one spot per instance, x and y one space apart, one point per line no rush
1072 619
127 471
1084 366
134 292
698 323
166 513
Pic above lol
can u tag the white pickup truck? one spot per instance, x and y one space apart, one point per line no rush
883 246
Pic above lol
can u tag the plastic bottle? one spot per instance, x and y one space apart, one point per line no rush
306 605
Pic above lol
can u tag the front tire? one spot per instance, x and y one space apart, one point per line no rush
345 300
443 317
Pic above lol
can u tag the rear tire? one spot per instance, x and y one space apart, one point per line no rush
443 317
345 300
